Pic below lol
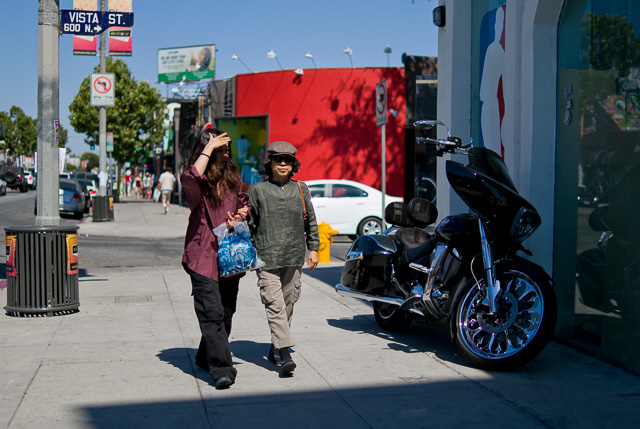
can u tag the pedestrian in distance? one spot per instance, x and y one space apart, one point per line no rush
138 186
166 182
278 230
146 185
215 195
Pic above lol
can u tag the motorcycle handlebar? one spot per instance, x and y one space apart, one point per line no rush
450 144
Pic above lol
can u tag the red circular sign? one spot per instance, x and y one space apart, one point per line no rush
102 85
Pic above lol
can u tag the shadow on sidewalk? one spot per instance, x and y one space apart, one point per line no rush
418 338
183 358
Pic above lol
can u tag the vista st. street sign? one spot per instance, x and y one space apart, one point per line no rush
89 22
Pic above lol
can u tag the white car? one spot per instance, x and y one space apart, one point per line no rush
31 180
349 207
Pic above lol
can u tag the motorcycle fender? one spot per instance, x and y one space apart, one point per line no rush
536 271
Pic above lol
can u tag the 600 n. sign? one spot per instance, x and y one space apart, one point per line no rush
92 22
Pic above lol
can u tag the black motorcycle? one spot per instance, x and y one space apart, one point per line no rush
467 275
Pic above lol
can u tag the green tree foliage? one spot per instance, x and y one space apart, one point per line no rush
135 119
20 132
613 44
93 160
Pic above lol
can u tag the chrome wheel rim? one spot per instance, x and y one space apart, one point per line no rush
512 328
371 227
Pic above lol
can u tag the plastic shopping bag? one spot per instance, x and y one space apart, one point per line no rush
236 254
156 195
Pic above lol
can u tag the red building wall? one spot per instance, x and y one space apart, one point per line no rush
329 115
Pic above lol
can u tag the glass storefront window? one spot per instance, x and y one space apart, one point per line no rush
597 237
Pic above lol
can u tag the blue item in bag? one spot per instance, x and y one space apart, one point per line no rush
236 254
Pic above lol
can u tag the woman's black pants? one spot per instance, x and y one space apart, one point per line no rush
215 303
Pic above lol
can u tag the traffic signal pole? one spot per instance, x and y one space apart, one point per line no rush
48 111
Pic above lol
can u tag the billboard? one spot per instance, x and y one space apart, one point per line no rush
186 63
85 45
120 37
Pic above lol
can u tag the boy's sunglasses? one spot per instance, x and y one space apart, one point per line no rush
280 158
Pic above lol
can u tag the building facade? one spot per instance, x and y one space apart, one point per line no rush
554 87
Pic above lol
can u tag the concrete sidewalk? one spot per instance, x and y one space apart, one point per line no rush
126 360
140 219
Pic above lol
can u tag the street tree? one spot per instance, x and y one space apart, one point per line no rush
20 134
92 159
135 119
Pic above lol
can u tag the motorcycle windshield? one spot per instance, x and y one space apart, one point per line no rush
485 186
491 164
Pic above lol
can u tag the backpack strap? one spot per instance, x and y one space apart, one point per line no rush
304 207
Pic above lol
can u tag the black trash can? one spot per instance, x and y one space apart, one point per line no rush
102 208
42 270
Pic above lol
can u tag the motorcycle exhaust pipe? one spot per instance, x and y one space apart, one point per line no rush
343 291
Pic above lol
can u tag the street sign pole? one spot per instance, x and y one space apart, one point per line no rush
103 119
381 121
48 111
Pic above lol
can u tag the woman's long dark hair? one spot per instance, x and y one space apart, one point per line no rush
221 181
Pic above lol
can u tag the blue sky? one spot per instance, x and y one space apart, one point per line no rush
248 28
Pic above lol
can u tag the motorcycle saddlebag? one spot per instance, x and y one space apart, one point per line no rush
368 263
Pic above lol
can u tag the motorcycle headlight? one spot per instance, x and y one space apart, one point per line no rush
524 224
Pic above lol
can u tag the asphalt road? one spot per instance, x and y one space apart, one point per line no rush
16 209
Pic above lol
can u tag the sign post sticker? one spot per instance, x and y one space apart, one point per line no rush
102 89
381 103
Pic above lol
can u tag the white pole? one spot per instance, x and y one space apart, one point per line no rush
384 174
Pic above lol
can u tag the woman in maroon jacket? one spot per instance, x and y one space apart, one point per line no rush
215 195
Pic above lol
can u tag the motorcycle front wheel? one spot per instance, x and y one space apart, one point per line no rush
520 328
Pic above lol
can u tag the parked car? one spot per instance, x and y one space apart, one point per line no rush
71 198
3 187
349 207
86 189
14 176
31 180
85 175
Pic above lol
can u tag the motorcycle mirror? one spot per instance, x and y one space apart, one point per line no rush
428 124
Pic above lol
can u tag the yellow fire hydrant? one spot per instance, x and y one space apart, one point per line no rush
326 238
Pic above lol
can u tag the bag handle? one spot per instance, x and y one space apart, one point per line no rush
304 207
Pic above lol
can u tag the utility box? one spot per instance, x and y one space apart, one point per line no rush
42 270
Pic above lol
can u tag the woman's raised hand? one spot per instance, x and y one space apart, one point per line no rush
218 141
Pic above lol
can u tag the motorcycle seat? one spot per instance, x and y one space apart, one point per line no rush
419 213
414 241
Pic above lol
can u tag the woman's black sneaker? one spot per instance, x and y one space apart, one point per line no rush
224 382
